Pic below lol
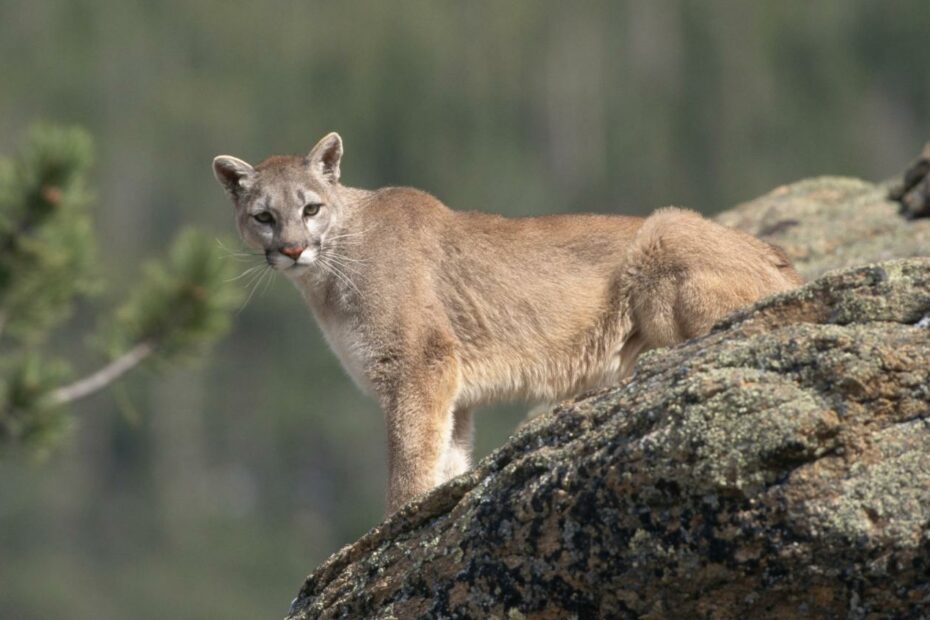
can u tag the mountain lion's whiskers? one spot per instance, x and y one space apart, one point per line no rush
342 262
242 255
254 283
346 259
333 268
357 233
245 273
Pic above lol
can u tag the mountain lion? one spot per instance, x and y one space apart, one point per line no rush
434 312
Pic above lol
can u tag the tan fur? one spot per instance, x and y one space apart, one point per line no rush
435 311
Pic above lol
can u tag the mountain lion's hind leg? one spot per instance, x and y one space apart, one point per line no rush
632 347
685 273
457 459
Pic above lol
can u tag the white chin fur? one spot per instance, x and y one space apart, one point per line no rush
280 262
307 257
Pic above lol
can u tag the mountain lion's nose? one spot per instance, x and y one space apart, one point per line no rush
293 251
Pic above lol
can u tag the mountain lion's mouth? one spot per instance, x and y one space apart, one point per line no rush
296 268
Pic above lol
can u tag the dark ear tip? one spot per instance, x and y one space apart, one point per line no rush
326 155
333 140
230 171
218 165
222 168
224 162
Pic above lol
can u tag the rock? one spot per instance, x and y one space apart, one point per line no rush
913 192
832 222
778 467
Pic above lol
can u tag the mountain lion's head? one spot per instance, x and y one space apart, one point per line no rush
286 206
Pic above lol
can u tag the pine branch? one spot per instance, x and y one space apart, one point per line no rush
103 377
47 249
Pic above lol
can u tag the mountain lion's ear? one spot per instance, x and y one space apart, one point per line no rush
233 174
325 157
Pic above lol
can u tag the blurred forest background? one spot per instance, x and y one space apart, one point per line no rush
211 491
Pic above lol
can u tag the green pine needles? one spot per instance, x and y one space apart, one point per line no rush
47 261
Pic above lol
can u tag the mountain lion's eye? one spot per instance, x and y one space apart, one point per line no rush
264 217
312 209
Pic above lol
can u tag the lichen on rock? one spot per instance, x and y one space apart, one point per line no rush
832 223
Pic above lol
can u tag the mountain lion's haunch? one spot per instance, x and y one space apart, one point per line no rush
435 312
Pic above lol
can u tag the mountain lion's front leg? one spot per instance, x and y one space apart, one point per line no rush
419 414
